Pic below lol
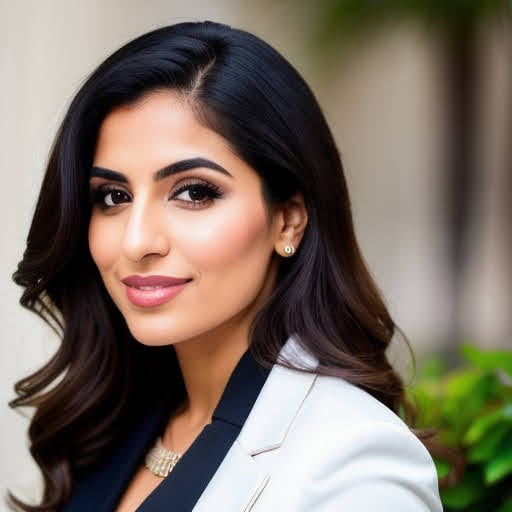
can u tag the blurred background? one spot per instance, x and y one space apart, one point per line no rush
418 94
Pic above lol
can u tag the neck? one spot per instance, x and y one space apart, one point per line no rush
206 365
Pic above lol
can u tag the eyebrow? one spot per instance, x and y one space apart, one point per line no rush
168 170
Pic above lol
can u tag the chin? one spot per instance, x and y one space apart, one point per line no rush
152 334
149 336
152 339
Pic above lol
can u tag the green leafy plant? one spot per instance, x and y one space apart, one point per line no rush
471 410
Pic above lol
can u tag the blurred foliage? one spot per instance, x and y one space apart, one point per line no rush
471 409
343 19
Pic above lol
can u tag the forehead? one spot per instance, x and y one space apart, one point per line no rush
158 129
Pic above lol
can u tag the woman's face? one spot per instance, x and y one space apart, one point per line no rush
179 229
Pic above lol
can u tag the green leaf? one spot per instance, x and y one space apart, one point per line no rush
465 392
462 384
427 407
488 445
486 422
469 491
463 396
499 467
487 360
443 467
433 368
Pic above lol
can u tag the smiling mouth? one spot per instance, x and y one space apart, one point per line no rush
146 288
152 291
136 281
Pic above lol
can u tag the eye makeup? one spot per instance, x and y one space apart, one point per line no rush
196 193
192 193
108 196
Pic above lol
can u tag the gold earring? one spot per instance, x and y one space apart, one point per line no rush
289 250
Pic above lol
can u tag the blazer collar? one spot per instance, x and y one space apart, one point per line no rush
265 429
181 490
279 400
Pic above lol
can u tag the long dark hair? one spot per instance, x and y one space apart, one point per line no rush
100 377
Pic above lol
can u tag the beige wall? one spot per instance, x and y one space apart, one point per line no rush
383 106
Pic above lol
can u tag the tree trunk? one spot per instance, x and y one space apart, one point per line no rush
461 164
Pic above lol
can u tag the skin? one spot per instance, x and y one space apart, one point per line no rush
227 246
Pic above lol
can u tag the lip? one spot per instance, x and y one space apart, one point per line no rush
151 291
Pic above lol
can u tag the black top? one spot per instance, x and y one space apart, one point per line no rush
102 490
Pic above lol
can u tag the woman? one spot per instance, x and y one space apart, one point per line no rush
193 243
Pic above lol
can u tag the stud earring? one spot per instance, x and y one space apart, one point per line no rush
289 250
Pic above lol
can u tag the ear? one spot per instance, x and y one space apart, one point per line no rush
291 219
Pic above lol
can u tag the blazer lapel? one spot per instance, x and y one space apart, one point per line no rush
235 485
183 487
275 409
240 478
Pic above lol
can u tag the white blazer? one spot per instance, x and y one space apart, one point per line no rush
315 443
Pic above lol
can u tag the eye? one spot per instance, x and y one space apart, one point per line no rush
197 193
109 197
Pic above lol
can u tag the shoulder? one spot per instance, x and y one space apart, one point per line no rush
336 397
338 412
346 424
329 400
341 442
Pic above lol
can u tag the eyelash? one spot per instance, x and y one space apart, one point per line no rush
99 195
210 191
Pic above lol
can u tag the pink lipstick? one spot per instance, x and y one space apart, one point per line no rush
151 291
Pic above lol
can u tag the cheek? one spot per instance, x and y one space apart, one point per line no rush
228 236
102 242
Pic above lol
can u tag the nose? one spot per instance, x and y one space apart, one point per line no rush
146 232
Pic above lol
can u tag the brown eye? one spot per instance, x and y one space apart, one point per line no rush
106 198
194 193
113 197
197 193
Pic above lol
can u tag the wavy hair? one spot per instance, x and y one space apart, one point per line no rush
100 377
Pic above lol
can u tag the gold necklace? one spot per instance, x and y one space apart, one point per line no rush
161 461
